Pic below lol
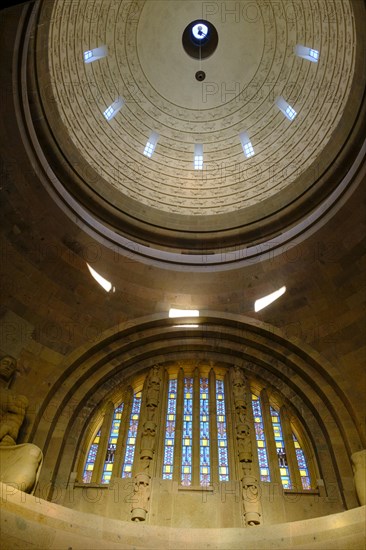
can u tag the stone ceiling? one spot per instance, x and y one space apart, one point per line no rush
148 67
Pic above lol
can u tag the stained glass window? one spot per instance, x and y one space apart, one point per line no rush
280 448
186 476
261 439
90 461
112 444
221 432
131 436
204 433
170 430
302 464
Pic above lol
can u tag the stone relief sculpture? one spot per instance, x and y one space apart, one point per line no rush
7 370
249 484
358 460
148 440
152 392
251 500
244 443
19 464
142 486
141 497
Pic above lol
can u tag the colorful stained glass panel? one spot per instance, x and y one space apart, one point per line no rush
222 432
204 434
281 451
90 461
112 444
261 439
186 471
131 436
170 430
302 464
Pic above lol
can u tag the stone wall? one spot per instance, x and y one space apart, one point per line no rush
27 521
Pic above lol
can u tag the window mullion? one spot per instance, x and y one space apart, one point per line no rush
196 429
230 426
179 428
120 448
271 446
161 433
290 449
103 443
214 456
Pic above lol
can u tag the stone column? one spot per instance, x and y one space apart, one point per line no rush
290 449
122 433
358 460
214 455
271 446
196 429
251 504
103 443
149 421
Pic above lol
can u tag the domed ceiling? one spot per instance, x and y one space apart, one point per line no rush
163 200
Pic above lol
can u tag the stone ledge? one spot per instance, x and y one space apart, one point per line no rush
30 522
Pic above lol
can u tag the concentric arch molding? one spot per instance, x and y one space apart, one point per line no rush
158 210
285 364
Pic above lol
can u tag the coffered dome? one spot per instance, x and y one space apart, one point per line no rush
162 201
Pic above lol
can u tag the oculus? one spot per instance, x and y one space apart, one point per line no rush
200 39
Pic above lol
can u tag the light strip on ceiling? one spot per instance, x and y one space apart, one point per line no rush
246 144
186 326
113 109
151 144
285 108
198 156
173 312
107 285
266 300
307 53
95 54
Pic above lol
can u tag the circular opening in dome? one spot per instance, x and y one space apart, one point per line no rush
200 39
200 32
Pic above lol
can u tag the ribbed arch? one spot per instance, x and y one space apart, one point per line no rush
292 369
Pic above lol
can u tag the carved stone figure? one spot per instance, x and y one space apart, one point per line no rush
152 392
141 497
237 377
239 393
251 500
241 411
19 464
148 440
12 412
358 460
244 443
7 369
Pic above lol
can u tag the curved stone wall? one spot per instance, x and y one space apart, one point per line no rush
191 214
284 365
26 520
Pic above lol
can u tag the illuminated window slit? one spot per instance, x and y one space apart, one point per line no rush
112 444
260 439
222 432
90 461
131 436
170 430
186 471
302 465
280 448
205 466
